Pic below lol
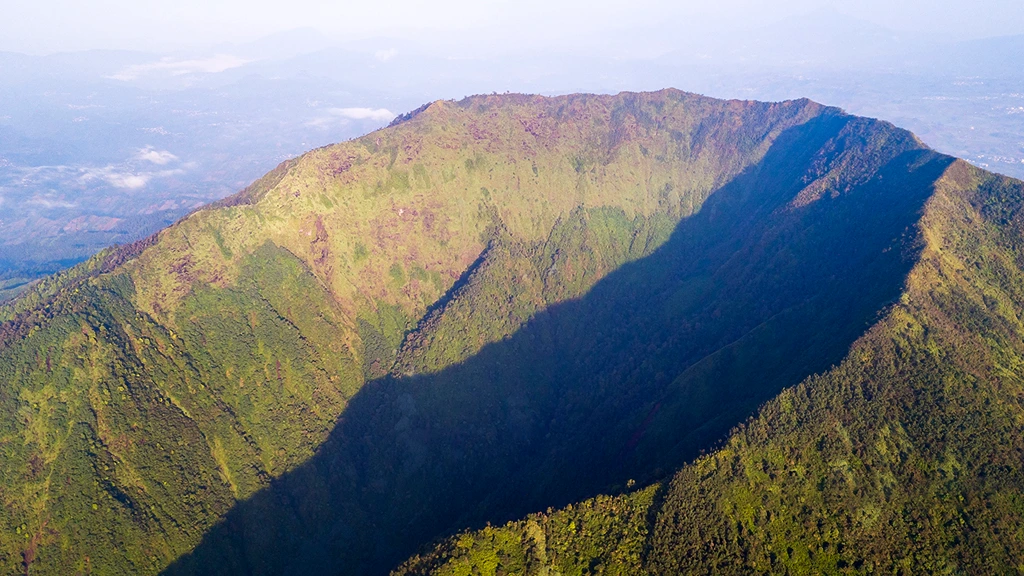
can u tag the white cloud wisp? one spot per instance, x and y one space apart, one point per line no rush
343 116
158 157
174 67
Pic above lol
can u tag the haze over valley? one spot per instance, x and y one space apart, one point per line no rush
106 146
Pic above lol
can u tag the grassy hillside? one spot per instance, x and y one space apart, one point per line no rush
624 383
903 458
146 392
493 307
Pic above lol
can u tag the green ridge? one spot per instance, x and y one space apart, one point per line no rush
492 307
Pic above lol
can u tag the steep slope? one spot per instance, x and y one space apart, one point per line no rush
491 307
584 395
904 458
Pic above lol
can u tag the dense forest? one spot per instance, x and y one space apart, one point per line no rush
511 304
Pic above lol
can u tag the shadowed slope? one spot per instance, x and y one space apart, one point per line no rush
904 458
782 269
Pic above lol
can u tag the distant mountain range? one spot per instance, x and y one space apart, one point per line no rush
536 319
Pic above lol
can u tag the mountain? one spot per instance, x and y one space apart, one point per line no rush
515 303
906 456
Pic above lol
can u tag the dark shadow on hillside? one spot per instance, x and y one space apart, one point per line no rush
650 367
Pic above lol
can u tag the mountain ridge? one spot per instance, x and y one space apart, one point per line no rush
468 292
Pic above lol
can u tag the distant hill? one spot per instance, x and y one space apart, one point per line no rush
513 303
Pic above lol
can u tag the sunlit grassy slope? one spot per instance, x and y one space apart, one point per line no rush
495 306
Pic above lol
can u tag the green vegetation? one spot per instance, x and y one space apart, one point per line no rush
904 458
604 535
511 303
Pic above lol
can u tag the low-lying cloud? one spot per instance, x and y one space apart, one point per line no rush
175 67
122 179
50 202
343 116
385 55
56 186
127 181
378 114
159 157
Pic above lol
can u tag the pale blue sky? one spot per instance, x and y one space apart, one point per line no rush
53 25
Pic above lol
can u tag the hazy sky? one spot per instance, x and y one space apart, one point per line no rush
53 25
